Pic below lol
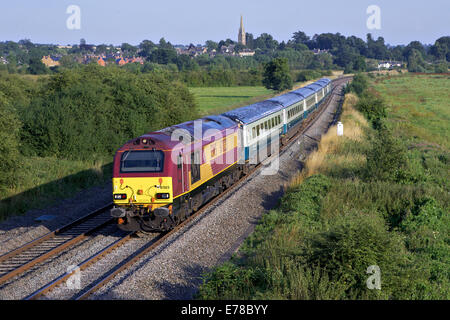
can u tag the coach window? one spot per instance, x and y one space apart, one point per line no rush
253 132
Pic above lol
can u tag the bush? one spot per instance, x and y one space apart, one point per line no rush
358 85
90 112
372 107
352 244
386 158
9 144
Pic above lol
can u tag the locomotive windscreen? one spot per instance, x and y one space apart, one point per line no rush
142 161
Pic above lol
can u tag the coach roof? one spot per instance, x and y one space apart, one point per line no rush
288 99
254 112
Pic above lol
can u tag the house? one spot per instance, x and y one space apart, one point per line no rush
50 61
246 53
319 51
389 64
135 60
101 61
3 60
120 61
227 50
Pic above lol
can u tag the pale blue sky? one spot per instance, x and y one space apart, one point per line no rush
183 22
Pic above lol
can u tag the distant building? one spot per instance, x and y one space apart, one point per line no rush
192 50
246 53
389 64
50 61
101 61
135 60
121 61
3 60
319 51
241 35
227 50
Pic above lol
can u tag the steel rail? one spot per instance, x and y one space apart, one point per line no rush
18 260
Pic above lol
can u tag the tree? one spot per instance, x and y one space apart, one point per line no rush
163 56
146 47
128 48
300 37
265 42
9 143
276 75
441 49
414 45
36 66
415 61
211 45
67 62
249 40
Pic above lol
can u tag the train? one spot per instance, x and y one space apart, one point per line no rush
163 177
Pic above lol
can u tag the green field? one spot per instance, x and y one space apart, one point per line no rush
214 100
419 107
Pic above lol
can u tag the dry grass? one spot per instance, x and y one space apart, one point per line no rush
329 153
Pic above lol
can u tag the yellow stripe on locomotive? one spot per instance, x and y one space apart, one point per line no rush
155 191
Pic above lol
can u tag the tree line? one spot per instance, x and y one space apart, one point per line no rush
337 52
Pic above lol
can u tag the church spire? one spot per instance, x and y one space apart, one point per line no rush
241 35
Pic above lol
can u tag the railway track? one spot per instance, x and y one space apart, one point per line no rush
158 240
29 255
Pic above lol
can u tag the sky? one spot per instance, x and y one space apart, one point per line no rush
195 21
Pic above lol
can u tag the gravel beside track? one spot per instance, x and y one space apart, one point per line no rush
18 230
32 280
173 271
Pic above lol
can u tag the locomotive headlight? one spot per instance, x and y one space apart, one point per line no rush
162 196
120 196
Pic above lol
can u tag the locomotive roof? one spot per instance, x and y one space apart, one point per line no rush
168 138
254 112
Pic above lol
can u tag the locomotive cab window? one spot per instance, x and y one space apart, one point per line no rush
142 161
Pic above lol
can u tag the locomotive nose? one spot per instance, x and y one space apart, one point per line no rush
144 191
